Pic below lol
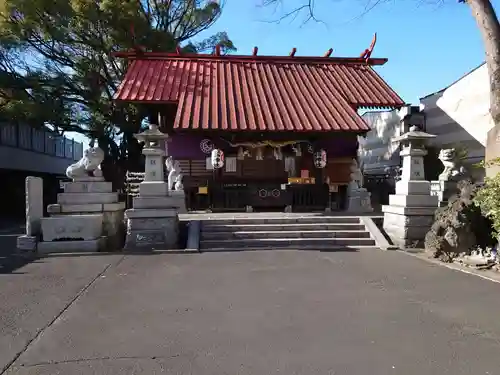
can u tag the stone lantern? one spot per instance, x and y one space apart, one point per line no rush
153 222
154 151
410 212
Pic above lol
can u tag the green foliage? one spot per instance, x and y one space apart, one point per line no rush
487 198
56 65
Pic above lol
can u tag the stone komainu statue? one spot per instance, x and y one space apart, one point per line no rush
88 165
174 174
452 163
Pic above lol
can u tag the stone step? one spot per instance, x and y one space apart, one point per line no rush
294 243
314 247
282 234
209 226
88 187
86 198
284 220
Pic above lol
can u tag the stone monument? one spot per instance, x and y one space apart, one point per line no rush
153 222
446 185
88 215
358 198
410 212
34 214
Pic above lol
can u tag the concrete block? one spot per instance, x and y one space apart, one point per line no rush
153 189
84 227
95 245
413 188
149 213
27 243
413 200
410 211
89 179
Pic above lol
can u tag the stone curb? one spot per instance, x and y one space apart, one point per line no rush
486 274
376 234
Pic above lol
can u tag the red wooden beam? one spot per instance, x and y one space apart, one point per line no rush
255 50
276 59
368 52
178 50
217 50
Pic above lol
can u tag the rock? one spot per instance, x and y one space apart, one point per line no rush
459 227
476 260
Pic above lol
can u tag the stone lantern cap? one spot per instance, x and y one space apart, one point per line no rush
415 134
153 134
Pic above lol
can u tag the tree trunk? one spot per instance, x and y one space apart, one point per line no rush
488 24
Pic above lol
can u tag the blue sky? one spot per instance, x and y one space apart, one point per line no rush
429 44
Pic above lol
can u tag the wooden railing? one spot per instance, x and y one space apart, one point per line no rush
228 198
309 197
237 198
39 140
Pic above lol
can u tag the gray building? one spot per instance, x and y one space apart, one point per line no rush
26 151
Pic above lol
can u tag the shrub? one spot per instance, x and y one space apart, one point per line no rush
488 198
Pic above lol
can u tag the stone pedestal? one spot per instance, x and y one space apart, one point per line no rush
359 201
87 217
153 222
358 198
410 212
444 190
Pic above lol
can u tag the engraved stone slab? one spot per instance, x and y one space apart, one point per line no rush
88 187
84 227
152 233
34 205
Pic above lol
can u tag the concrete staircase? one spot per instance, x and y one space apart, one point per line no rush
297 233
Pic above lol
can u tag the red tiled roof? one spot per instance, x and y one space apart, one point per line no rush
259 92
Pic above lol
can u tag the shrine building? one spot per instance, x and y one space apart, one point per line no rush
286 127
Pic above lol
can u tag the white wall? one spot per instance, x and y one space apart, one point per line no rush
467 102
459 116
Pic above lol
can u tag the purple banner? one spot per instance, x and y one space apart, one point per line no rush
194 146
189 146
339 147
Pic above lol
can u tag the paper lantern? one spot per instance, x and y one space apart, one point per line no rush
217 158
320 159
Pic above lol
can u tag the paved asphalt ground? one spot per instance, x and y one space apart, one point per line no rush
367 312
